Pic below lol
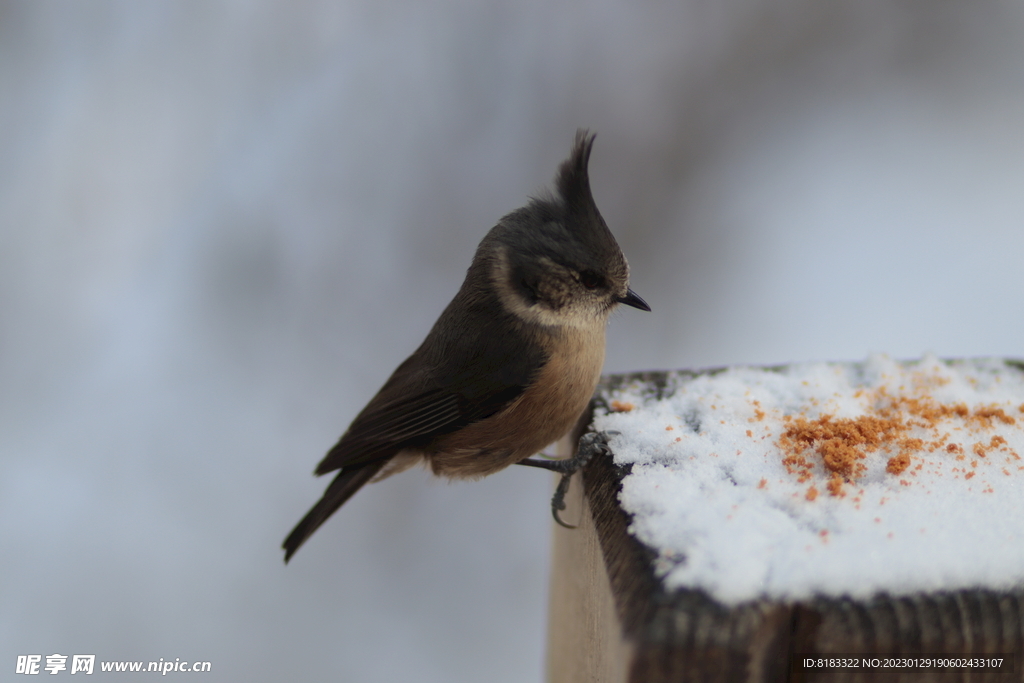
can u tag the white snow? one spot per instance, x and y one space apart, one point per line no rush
709 489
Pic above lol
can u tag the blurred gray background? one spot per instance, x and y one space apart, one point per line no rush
223 224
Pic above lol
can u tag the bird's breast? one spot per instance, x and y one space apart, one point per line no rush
542 414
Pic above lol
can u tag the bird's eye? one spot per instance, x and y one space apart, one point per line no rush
529 291
590 279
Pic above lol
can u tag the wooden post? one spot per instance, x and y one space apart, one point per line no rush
611 620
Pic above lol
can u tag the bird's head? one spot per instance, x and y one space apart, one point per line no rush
555 262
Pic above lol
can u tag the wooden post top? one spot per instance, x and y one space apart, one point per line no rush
614 618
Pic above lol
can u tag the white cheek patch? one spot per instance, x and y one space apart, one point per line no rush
582 313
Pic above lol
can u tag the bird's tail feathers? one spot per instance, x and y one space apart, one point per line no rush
344 486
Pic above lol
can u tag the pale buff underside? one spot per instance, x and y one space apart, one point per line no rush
540 416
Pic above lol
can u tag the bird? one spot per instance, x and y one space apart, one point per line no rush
511 363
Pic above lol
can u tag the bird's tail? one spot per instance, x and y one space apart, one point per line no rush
348 481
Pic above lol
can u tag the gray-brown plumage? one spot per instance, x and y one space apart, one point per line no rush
511 363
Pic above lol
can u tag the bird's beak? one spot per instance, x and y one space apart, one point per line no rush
631 299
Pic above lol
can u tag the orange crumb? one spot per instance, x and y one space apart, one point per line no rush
898 427
835 486
621 407
843 443
763 483
985 414
669 428
898 463
679 438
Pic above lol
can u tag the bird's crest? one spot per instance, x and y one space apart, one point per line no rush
573 181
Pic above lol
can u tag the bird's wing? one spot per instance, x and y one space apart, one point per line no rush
388 426
464 371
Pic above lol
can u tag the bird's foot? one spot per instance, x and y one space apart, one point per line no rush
590 444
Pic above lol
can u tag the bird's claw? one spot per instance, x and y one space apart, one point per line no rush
590 444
